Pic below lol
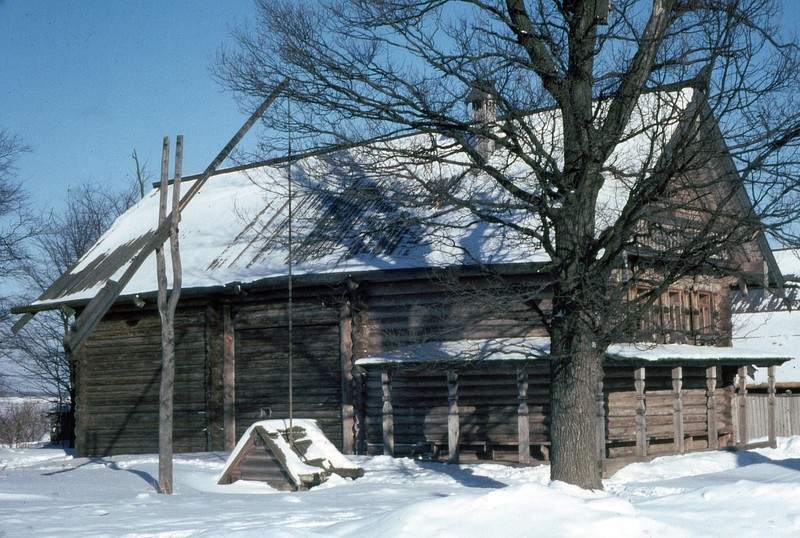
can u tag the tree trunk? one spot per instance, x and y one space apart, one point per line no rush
576 368
575 350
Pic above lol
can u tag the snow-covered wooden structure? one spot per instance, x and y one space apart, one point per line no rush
768 320
287 455
374 281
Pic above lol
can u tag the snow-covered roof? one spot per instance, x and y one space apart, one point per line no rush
533 348
235 229
774 332
789 262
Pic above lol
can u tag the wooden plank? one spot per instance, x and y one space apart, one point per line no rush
227 476
100 303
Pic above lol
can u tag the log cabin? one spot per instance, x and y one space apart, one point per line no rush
397 334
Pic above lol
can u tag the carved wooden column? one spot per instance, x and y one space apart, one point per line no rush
388 414
641 412
523 423
359 412
600 418
773 441
453 433
677 409
711 407
742 403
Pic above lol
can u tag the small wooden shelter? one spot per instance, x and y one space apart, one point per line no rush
287 457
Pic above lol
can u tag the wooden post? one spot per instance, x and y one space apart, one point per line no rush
82 445
600 419
742 402
346 361
388 414
523 422
711 407
228 380
771 416
641 412
212 363
677 410
453 432
166 309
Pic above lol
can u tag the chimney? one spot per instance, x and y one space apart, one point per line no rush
483 111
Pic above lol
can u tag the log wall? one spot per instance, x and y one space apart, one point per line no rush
487 410
232 368
119 373
404 312
262 363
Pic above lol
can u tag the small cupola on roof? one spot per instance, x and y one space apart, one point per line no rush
483 111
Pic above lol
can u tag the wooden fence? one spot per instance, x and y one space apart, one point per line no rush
787 416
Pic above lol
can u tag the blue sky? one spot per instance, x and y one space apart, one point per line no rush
85 82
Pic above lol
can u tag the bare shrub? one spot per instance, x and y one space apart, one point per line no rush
23 422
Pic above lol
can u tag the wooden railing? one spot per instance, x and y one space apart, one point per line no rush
787 415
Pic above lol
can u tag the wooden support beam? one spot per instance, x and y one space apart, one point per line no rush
771 425
741 398
711 407
600 423
523 421
453 433
641 412
346 362
106 297
228 380
677 410
388 414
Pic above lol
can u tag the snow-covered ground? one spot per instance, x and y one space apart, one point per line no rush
47 492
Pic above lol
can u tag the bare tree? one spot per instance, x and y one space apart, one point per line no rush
56 242
13 215
23 422
13 223
683 82
142 173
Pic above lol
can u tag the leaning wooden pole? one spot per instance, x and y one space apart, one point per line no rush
101 302
167 304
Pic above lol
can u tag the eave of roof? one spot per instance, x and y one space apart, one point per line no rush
538 348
